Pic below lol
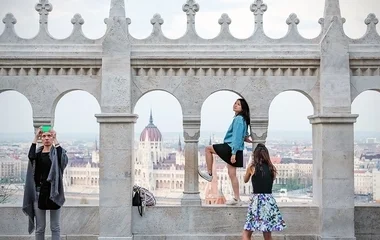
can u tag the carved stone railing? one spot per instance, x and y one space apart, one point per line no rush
190 8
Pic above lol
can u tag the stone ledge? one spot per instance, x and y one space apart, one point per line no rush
116 118
82 222
222 237
333 118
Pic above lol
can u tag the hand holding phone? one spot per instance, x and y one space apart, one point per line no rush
45 128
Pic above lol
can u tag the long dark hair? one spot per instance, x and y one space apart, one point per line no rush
244 111
260 157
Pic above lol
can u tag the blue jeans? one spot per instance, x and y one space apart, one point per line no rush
41 222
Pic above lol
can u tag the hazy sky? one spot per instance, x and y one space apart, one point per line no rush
288 111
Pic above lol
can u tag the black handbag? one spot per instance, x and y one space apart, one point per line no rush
44 201
137 201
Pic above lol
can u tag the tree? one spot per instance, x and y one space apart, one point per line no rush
6 192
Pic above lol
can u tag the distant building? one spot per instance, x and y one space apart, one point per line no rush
11 169
371 140
363 181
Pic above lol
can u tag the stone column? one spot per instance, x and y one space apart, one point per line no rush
116 130
116 176
333 174
259 130
191 133
333 134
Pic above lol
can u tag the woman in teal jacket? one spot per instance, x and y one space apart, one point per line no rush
231 150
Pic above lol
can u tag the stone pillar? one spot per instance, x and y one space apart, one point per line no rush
116 176
333 175
116 130
191 133
259 130
333 134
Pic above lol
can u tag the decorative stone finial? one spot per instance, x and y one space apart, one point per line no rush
9 20
43 8
371 35
77 20
371 19
292 19
190 8
258 8
224 22
224 19
157 20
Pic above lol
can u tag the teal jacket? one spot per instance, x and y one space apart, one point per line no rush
236 133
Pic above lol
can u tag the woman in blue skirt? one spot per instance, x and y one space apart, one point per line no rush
263 214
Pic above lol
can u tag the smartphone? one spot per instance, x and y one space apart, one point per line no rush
45 128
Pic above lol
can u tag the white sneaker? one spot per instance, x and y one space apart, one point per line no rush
205 175
234 202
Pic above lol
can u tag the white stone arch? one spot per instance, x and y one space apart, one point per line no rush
305 94
33 97
64 93
199 91
360 84
44 93
137 97
21 91
24 97
173 100
89 98
366 90
213 91
363 91
376 93
225 107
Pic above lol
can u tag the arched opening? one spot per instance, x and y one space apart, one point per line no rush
159 146
289 143
367 147
16 134
78 132
216 117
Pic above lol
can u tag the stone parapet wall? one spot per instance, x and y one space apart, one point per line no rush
188 223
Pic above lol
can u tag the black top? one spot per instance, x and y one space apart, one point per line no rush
42 164
262 180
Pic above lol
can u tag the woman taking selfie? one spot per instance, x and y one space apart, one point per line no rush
43 185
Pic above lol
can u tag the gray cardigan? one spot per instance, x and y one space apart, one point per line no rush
55 178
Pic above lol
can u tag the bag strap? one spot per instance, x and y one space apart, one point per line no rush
140 210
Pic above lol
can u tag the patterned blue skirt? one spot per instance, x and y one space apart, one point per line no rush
263 214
